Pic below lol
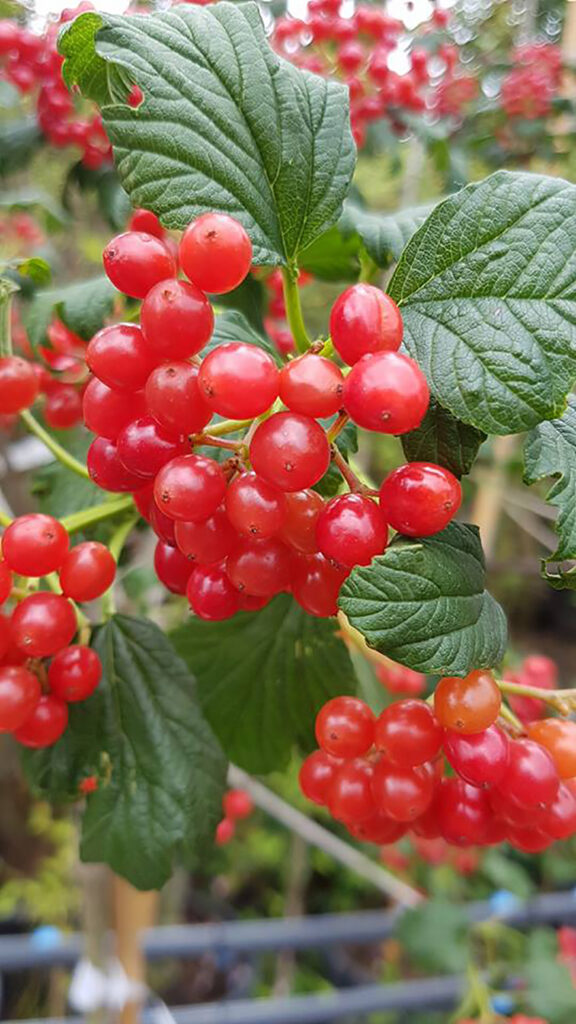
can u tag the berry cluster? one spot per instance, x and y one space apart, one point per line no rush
528 90
237 805
446 770
41 670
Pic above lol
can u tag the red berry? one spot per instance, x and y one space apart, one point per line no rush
419 499
316 776
46 723
19 385
177 319
224 832
19 694
386 392
143 448
211 594
215 253
531 777
136 261
399 679
106 470
463 813
364 320
237 804
260 567
345 727
351 530
467 705
408 734
377 829
301 511
238 380
190 488
290 451
558 736
316 583
172 568
42 624
480 758
146 221
402 793
63 407
208 541
560 822
87 571
174 398
350 797
163 526
5 582
312 385
34 545
106 412
254 507
119 356
74 673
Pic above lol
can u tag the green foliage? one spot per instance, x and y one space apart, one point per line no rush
443 439
550 451
347 444
211 72
423 604
19 141
435 936
383 235
263 676
60 492
550 991
82 306
37 200
113 202
487 288
162 772
233 326
505 873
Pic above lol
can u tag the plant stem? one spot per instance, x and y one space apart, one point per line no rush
216 442
225 427
115 546
337 426
57 450
4 519
7 288
563 700
88 516
508 715
294 310
355 485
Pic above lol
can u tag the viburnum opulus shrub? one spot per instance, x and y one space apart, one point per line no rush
239 455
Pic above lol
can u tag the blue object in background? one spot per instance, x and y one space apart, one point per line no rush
503 902
47 936
502 1003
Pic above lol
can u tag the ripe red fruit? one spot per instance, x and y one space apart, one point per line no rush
19 385
386 392
560 821
364 320
351 530
5 581
345 727
106 412
254 507
63 407
238 380
480 758
174 398
145 220
301 511
46 723
74 673
208 541
143 447
172 568
107 471
316 776
377 829
312 385
237 804
190 488
399 679
43 623
211 594
119 356
34 545
290 451
215 253
260 567
463 813
350 796
402 793
531 777
224 832
420 499
558 736
19 694
408 734
177 319
316 583
136 261
87 571
467 705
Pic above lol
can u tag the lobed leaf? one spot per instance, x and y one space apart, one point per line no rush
550 451
444 440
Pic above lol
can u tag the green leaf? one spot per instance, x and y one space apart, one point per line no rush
19 141
423 604
113 202
36 199
35 269
82 306
505 873
263 676
333 256
60 492
435 935
162 772
550 451
233 326
487 288
443 439
383 235
347 444
225 124
249 298
550 990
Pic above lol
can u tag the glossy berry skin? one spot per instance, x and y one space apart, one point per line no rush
312 385
467 705
106 412
301 511
408 734
143 447
364 320
43 623
345 727
316 776
238 380
19 694
463 813
386 393
5 581
351 530
190 488
63 407
19 385
172 568
402 794
174 399
135 261
237 804
106 470
119 356
224 832
146 221
215 253
558 736
481 758
350 798
290 451
87 571
420 498
377 829
177 319
316 583
560 822
164 528
34 545
211 595
261 568
46 723
208 541
254 507
531 777
74 673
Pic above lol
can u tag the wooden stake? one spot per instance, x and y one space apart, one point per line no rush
134 911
